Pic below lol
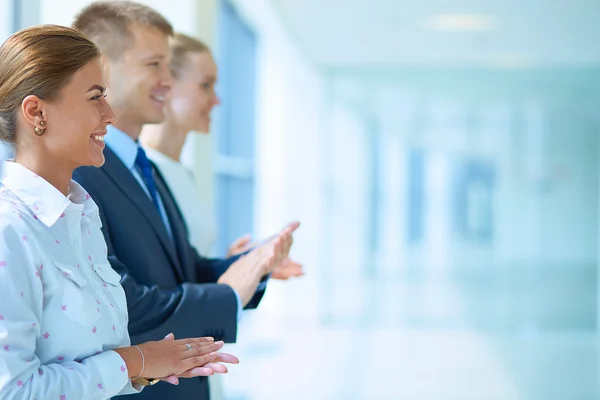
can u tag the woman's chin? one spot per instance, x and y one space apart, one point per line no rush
96 161
203 126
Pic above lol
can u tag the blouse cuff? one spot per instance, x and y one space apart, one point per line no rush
114 373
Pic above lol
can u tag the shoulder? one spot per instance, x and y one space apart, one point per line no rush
178 177
170 169
83 173
18 234
91 179
15 216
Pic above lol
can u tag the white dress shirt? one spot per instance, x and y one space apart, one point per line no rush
183 186
62 308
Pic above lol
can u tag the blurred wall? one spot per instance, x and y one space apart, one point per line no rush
290 107
6 26
6 19
538 130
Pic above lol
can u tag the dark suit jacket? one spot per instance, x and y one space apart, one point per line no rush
169 286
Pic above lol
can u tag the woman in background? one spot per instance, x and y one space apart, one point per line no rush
63 312
191 101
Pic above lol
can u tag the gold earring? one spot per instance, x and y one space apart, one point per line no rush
42 130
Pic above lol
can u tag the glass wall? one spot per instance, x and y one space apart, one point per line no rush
234 127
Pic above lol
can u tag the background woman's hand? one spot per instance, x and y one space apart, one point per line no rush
287 269
241 245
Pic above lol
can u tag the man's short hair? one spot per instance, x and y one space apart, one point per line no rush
108 24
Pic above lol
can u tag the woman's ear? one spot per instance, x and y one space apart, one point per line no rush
33 111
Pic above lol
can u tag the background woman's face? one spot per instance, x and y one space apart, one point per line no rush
193 94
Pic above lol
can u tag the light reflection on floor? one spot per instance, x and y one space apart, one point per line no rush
500 335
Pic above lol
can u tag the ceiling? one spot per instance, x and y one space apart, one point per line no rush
366 34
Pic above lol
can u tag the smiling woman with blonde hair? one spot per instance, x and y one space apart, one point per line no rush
63 312
192 100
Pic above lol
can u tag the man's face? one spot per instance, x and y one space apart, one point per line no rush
139 81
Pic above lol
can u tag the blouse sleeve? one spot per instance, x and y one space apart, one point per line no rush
22 376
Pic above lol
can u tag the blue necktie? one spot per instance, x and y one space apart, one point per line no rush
145 168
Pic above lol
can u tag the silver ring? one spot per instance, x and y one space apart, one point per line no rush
189 346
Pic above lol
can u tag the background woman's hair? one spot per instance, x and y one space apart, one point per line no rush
181 46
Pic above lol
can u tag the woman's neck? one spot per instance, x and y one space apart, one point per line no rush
164 138
53 172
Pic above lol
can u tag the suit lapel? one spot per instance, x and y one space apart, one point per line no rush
178 227
123 178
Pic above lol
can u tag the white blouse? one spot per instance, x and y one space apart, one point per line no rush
62 308
183 186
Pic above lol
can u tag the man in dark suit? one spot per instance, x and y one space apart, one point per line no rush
169 287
